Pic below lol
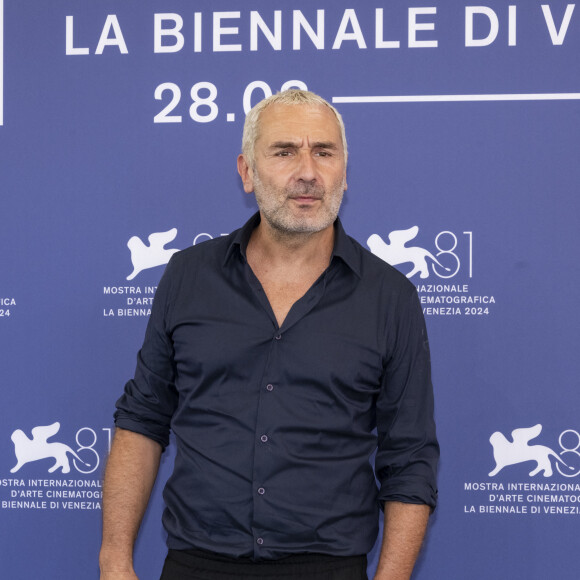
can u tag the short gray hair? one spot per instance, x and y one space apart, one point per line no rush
289 97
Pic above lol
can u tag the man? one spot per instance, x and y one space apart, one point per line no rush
273 354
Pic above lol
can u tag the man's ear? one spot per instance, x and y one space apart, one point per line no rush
246 173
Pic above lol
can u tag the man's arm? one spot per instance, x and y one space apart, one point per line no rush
408 451
404 529
129 477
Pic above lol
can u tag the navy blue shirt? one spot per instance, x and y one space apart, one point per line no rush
275 427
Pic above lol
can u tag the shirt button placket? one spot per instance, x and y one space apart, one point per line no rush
264 439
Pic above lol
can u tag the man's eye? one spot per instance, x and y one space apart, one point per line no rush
283 153
324 154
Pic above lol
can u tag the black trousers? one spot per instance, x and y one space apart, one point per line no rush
201 565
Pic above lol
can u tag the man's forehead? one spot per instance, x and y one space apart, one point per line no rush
286 119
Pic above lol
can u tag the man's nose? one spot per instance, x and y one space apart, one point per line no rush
306 169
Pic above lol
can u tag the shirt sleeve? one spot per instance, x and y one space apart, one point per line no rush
150 398
408 451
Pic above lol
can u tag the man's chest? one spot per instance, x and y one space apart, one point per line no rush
283 294
228 346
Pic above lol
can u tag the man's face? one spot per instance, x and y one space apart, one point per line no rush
299 174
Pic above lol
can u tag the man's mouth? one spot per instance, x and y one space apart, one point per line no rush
305 198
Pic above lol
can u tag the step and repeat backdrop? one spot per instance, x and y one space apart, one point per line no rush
120 122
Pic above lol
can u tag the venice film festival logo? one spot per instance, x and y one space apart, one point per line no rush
29 488
85 459
518 450
542 492
396 252
442 271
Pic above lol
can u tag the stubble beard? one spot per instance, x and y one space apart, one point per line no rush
275 206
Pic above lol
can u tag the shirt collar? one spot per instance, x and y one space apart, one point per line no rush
344 246
241 237
345 249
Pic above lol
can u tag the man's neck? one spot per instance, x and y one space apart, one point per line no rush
288 264
291 249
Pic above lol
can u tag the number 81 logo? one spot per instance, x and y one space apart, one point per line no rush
569 454
87 439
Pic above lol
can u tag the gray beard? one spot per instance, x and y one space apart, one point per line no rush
280 219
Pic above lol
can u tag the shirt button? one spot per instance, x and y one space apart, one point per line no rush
260 541
264 438
261 491
278 337
270 387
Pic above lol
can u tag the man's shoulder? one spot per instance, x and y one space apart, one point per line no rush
207 250
374 268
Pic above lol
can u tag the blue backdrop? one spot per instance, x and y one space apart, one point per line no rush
122 119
